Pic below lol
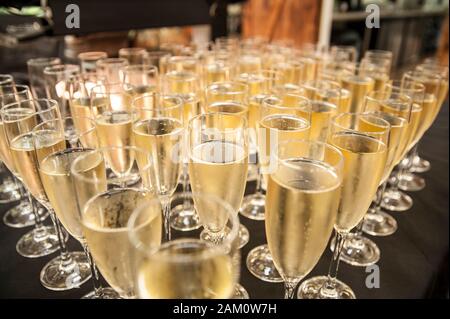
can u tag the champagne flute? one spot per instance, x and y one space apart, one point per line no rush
185 267
408 180
394 105
134 55
140 79
325 96
88 60
158 128
343 53
230 98
365 153
378 222
36 74
58 80
59 187
158 59
359 84
393 198
382 55
108 69
187 86
282 118
112 111
218 160
70 269
18 119
105 209
260 86
22 214
302 203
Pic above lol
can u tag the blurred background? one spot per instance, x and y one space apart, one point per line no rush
411 29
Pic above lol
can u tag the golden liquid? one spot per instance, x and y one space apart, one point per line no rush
192 107
275 129
413 127
206 275
139 90
380 82
81 114
364 165
301 209
26 157
5 152
115 129
358 87
216 72
218 168
231 108
104 221
162 138
181 83
426 117
249 64
321 114
59 186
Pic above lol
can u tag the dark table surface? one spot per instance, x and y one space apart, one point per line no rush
413 263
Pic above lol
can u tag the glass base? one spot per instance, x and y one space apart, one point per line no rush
253 206
358 251
240 292
105 293
59 277
396 201
184 218
260 264
315 288
379 224
38 242
244 236
411 182
21 216
420 165
8 195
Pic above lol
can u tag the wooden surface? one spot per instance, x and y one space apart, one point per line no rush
293 20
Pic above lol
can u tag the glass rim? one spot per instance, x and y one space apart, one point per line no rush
238 88
43 61
100 150
92 55
386 124
305 102
379 52
159 96
399 85
67 69
226 130
400 120
89 119
140 67
23 88
118 88
339 165
111 61
6 108
6 78
64 151
177 76
227 243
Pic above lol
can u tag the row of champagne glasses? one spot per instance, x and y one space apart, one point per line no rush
291 114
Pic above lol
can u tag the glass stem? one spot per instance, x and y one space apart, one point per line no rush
40 231
165 202
329 288
185 188
289 289
66 259
378 198
97 285
259 189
